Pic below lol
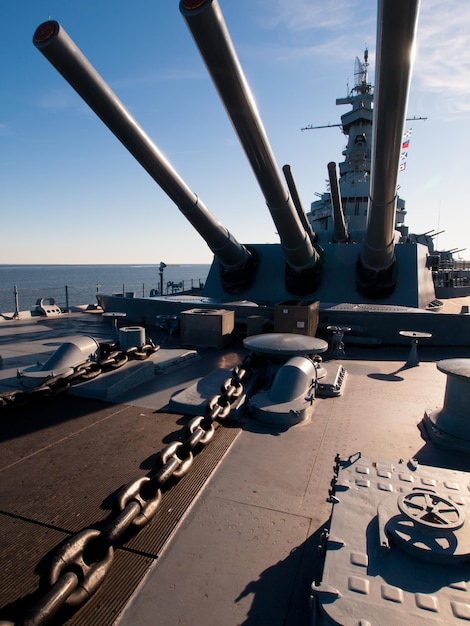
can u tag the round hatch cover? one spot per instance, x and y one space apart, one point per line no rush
426 524
431 509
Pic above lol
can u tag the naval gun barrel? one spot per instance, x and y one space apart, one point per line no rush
54 43
297 202
431 233
207 26
396 31
340 231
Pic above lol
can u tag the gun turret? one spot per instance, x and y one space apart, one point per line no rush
206 23
396 29
340 231
237 263
431 233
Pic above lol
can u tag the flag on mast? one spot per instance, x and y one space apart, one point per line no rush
404 149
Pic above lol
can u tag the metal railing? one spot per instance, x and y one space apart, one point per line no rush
15 299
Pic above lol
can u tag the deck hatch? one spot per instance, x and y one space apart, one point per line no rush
406 551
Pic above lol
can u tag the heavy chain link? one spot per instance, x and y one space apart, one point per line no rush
112 358
77 568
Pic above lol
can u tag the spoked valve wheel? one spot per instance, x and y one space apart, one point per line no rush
430 509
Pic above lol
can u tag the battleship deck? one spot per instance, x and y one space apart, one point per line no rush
235 540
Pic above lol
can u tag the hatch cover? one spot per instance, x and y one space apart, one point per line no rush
398 547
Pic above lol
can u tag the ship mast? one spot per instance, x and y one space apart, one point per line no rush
361 70
354 171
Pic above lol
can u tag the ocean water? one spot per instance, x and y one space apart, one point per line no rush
80 283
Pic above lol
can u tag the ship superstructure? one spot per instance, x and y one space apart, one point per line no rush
346 199
354 171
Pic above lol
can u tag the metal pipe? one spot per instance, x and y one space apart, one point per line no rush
54 43
207 26
340 231
396 31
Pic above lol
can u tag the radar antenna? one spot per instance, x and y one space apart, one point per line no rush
361 84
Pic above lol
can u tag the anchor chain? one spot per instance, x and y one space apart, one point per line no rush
77 567
111 358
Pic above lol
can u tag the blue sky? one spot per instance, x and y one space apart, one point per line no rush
71 193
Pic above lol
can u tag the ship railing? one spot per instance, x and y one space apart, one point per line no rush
450 278
461 265
453 264
14 299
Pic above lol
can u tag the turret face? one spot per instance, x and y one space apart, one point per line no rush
396 29
206 23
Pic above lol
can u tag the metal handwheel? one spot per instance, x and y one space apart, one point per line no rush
430 509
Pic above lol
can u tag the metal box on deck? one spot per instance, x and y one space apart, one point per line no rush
206 328
299 317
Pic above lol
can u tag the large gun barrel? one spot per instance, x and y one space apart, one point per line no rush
297 203
396 29
54 43
207 26
340 231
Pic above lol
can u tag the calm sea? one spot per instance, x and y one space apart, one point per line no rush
80 283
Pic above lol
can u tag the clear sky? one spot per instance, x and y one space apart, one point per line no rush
71 193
